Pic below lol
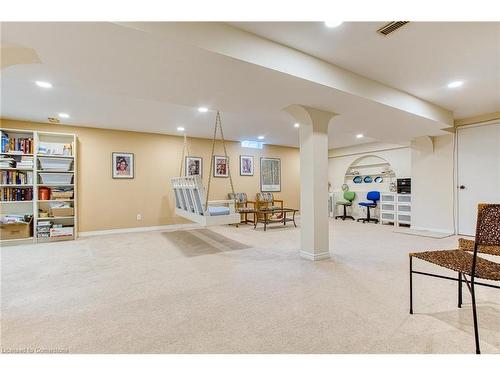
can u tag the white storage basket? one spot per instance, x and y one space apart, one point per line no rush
55 164
56 178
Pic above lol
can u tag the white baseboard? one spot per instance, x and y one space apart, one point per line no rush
170 227
310 256
444 231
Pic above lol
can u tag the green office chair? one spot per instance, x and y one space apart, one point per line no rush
347 201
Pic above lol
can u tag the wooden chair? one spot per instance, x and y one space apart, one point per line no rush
465 260
242 206
266 200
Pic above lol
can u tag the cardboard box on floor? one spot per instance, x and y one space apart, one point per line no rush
15 231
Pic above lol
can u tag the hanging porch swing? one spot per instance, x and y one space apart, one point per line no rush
191 200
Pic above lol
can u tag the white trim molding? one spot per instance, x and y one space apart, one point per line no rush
170 227
314 257
444 231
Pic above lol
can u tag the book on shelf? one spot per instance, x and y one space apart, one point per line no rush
21 145
11 194
26 162
16 161
43 229
7 161
55 149
16 177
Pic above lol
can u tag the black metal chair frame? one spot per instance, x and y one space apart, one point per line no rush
368 217
345 216
462 278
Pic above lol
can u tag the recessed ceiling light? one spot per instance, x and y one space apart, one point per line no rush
296 125
332 24
203 109
260 137
455 84
180 129
45 85
359 135
63 115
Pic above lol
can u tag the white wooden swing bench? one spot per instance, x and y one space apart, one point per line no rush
191 201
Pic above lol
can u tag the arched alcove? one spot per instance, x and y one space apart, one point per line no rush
370 172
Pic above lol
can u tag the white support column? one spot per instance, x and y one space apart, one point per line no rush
313 180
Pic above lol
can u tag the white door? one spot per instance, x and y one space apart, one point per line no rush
478 172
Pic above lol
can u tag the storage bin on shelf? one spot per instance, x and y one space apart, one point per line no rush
59 164
44 193
15 231
56 178
59 195
62 211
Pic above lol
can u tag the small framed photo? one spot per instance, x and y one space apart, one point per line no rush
221 166
193 166
246 165
122 165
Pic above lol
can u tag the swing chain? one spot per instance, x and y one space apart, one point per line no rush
185 153
218 123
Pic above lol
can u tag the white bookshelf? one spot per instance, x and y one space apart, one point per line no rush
32 207
14 207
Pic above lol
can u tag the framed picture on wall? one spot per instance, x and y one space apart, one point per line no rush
246 165
221 166
270 174
122 165
193 166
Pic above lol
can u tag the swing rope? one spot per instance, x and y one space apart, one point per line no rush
218 124
185 153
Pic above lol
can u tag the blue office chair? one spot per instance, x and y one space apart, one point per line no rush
372 196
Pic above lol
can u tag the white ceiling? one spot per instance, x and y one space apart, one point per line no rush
420 58
109 76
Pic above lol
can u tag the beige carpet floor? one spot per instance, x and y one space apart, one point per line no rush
236 290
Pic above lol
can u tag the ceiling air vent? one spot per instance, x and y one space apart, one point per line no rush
391 27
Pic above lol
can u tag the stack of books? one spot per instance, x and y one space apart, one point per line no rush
58 230
43 229
25 163
7 162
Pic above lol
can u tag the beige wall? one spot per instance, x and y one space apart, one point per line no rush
105 203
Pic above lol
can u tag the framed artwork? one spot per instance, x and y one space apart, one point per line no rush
122 165
221 166
193 166
246 165
270 174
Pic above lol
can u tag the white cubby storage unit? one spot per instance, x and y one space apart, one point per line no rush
395 208
53 170
388 208
404 209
